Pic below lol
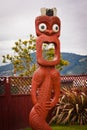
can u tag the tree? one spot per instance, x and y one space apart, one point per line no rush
22 59
49 53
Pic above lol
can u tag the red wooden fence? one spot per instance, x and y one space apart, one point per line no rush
15 99
14 107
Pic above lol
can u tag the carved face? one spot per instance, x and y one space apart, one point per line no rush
48 31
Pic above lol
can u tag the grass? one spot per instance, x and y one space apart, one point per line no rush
72 127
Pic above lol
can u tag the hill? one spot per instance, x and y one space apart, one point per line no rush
78 65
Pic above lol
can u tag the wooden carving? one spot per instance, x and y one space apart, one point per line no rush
46 78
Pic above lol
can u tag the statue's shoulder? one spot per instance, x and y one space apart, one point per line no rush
55 74
38 75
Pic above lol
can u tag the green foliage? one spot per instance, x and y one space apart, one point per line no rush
49 54
21 58
72 107
62 64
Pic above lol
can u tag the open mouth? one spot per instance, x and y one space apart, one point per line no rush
48 51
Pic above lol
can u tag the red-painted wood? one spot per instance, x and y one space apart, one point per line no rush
14 109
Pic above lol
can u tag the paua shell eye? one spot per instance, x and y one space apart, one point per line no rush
55 28
42 27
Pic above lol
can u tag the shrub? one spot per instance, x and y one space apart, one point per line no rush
72 107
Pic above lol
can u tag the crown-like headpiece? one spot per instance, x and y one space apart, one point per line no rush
49 12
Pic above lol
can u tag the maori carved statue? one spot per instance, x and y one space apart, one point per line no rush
45 89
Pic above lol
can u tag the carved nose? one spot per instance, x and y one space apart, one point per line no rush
49 32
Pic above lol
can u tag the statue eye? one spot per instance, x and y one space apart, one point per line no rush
55 28
42 27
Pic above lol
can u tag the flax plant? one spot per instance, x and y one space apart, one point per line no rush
72 107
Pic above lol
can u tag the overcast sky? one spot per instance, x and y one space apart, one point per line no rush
17 20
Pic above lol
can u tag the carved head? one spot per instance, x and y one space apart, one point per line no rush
48 31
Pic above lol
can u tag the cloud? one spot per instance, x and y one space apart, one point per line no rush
17 20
